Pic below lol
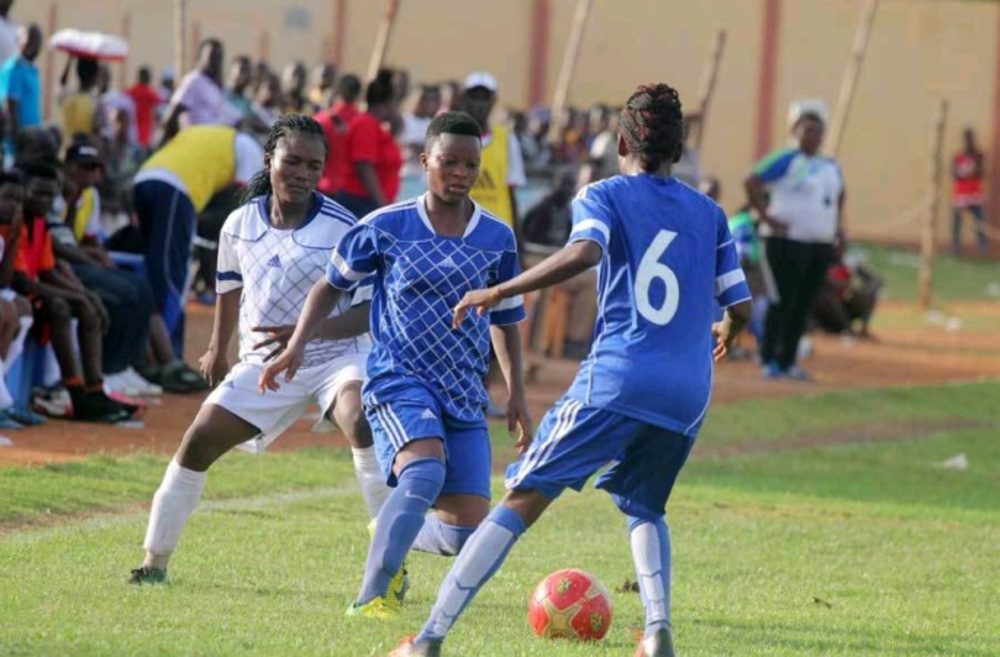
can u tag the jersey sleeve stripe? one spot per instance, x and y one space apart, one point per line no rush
362 294
591 224
345 269
228 276
725 244
726 281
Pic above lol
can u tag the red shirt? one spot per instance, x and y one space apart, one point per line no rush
34 249
146 100
967 188
368 141
334 122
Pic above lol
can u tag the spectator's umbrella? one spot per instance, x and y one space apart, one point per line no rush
95 45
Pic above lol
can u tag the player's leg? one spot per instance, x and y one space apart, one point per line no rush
776 253
8 326
348 413
465 496
573 442
640 484
234 413
409 439
982 241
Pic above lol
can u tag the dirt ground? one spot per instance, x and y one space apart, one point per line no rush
908 353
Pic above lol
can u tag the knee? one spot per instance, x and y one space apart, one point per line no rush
196 451
58 310
23 306
87 316
351 420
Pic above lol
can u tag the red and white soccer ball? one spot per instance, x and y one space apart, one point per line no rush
570 604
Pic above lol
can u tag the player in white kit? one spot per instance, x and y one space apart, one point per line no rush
271 251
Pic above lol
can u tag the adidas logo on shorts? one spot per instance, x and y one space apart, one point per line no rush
428 414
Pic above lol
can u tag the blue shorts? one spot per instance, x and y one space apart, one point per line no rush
413 414
575 440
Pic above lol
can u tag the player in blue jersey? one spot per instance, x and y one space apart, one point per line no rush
666 263
270 251
425 397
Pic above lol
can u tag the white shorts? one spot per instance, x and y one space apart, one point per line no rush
274 412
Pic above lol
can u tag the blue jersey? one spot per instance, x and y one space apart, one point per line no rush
669 263
419 278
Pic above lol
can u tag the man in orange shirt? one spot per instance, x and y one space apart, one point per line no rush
58 298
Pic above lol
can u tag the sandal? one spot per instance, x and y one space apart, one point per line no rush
179 378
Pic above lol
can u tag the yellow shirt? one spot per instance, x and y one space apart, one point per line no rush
203 157
491 189
78 115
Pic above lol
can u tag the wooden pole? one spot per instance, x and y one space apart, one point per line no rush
928 234
850 80
570 57
382 39
339 32
264 46
708 80
180 43
49 65
127 35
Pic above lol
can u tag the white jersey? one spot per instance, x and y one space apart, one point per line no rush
277 268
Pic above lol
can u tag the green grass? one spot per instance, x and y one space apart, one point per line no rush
902 552
955 279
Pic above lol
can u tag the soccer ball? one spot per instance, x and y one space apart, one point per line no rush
570 604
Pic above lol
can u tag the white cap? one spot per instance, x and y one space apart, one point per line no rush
481 79
801 106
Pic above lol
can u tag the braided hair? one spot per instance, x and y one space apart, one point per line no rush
652 125
260 184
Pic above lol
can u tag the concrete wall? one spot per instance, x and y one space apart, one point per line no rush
921 51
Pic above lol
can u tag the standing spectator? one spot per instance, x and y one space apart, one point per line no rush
79 109
8 32
199 98
323 90
415 124
167 83
688 168
240 79
400 85
800 225
146 100
501 167
170 190
293 83
334 121
603 157
374 159
20 88
124 157
113 99
267 100
967 192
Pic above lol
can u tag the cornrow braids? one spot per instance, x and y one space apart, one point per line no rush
260 184
652 125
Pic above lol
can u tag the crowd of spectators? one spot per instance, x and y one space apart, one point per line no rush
102 208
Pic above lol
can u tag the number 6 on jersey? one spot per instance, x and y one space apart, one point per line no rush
650 269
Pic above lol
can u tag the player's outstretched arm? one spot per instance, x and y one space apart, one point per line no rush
562 265
735 320
319 304
507 345
214 363
351 324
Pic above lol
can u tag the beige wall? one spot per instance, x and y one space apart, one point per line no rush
921 50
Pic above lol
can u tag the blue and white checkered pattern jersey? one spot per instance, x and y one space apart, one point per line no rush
418 279
276 269
669 264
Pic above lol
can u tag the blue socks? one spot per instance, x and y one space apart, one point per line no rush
477 562
437 537
651 553
399 522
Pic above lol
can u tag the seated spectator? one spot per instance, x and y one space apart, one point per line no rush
16 317
58 299
79 108
147 101
848 297
547 226
35 144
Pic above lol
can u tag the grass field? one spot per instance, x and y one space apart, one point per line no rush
793 548
955 279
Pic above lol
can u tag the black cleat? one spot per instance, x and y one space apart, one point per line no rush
147 575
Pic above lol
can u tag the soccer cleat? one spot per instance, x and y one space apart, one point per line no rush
409 648
147 575
400 582
381 608
661 644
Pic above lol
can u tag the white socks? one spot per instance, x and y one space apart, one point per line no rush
370 479
17 344
174 501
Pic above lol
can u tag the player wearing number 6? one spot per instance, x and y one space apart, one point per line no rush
666 263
